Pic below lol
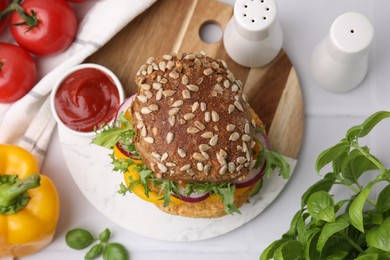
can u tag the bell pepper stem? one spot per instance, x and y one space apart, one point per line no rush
10 192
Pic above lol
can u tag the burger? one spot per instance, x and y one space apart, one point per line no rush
188 140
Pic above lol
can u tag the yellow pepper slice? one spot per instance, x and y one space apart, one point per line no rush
139 190
32 226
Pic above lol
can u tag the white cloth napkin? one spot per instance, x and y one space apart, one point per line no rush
28 122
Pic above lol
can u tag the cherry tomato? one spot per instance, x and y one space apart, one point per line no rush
17 72
54 30
3 22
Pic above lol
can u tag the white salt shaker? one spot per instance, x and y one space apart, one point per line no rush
339 62
253 36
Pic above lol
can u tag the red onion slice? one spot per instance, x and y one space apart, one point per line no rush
122 150
262 137
253 176
193 197
124 106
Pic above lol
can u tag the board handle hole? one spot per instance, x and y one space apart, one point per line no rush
210 32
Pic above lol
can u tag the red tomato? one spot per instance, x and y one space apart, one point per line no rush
3 22
77 1
54 32
17 72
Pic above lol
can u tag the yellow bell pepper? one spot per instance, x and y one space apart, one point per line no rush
29 204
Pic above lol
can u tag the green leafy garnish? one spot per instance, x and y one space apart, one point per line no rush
122 131
356 227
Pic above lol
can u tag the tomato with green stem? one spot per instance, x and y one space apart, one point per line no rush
17 72
3 19
44 27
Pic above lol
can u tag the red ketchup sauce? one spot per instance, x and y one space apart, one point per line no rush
86 99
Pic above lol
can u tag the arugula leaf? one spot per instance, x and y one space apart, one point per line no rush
225 190
227 194
110 134
273 161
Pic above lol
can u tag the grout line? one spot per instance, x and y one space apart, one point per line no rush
184 27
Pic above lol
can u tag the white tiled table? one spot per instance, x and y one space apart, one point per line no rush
327 117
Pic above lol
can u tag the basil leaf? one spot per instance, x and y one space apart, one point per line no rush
367 257
337 248
310 251
321 206
355 165
330 229
302 230
94 252
105 235
293 226
338 162
356 209
268 253
366 127
337 255
321 185
331 154
383 202
115 251
78 238
291 249
379 237
339 205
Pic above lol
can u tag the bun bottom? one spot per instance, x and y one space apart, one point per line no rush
209 208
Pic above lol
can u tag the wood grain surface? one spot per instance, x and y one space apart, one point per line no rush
173 26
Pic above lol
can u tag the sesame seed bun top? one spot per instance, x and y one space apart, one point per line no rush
192 120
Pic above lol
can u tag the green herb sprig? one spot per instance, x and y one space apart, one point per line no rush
79 239
356 227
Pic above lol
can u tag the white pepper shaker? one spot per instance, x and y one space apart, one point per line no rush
339 62
253 36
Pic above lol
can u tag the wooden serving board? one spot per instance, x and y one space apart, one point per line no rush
173 26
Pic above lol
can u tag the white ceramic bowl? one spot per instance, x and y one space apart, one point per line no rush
67 73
